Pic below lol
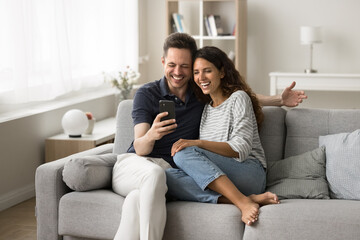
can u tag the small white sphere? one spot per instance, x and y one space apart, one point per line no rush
74 122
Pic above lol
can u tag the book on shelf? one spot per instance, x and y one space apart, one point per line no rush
214 23
207 26
173 25
218 25
179 22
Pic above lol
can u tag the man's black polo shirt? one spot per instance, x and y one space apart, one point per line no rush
188 115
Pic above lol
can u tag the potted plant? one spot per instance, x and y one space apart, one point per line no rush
124 81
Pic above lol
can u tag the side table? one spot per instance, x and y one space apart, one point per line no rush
62 145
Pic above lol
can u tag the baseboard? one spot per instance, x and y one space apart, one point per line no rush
17 196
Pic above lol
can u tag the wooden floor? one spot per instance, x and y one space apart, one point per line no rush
19 222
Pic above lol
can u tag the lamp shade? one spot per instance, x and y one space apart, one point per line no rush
74 122
310 35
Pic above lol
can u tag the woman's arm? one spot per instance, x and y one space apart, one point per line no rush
221 148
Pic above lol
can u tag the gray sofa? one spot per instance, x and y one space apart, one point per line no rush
67 214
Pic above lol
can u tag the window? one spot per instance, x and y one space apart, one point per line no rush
49 48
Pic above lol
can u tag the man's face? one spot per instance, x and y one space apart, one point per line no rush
177 68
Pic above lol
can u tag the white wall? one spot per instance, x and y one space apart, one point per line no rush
152 35
274 43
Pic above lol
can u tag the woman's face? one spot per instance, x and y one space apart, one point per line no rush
207 76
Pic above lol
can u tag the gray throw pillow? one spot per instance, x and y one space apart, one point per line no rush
90 172
343 164
301 176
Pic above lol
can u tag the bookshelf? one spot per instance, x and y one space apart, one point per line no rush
233 14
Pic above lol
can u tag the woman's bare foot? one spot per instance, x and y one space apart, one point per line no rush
249 210
265 198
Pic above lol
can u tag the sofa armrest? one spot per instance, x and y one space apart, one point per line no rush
50 187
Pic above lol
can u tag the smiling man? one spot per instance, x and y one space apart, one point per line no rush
139 175
152 137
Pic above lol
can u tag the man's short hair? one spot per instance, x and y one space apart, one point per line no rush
181 41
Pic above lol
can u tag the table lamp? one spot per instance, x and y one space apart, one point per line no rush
74 122
309 36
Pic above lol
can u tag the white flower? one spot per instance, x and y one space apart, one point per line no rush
132 76
124 81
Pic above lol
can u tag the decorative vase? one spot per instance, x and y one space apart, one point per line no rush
90 128
120 96
124 94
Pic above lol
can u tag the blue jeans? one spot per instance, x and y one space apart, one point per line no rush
199 167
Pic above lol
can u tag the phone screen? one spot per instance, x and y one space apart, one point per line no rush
167 106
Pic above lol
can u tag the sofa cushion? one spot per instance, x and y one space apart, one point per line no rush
272 133
124 127
304 126
92 214
310 219
343 164
195 221
301 176
89 172
96 214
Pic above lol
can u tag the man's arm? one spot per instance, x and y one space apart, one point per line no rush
288 97
146 135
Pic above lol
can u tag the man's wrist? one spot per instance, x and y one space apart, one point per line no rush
148 139
144 145
280 100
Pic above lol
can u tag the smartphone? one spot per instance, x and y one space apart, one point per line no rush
167 106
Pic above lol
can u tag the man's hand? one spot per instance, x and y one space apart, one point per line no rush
292 98
146 135
181 144
161 128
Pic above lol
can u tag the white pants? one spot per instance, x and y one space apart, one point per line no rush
143 182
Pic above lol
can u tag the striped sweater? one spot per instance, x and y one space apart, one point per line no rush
234 122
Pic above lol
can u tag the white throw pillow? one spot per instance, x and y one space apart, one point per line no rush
343 164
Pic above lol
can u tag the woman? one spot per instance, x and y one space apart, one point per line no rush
227 164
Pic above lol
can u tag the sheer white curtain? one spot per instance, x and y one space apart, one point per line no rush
52 47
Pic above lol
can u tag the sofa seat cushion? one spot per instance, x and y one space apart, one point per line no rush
93 214
96 214
195 221
307 219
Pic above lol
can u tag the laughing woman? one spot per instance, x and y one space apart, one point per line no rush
227 164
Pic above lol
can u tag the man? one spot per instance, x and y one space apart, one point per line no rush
138 178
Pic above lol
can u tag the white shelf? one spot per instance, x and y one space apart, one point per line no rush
232 13
314 81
